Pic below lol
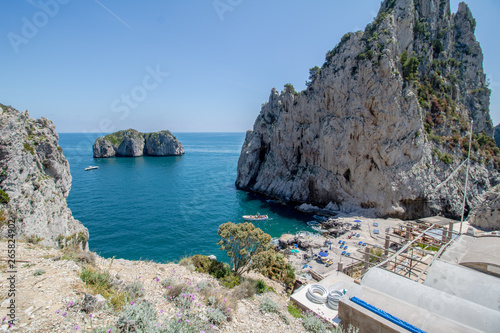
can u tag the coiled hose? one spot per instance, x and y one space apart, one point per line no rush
317 294
333 299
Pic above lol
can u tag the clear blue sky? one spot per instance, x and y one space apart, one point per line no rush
77 65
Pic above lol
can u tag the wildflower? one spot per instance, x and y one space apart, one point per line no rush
4 318
161 311
64 314
76 327
187 320
132 303
157 279
109 331
58 311
169 287
90 315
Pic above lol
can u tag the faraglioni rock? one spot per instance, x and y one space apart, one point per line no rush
384 122
131 143
35 181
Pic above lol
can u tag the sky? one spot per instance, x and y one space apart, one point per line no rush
187 66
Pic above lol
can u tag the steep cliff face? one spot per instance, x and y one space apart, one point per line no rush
383 122
35 181
131 143
487 214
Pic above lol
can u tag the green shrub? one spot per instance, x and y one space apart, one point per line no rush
316 324
28 148
184 301
294 311
139 317
260 286
34 239
267 305
230 281
135 290
446 158
409 65
4 197
215 316
38 272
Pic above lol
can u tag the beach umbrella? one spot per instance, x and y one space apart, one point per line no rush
323 254
357 221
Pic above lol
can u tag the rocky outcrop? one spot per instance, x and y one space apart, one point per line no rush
384 122
487 215
35 181
131 143
497 135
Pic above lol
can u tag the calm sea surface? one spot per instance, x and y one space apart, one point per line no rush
164 208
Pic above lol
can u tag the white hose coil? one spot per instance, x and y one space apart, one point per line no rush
317 294
333 299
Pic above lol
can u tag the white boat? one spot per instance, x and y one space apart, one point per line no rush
91 168
257 217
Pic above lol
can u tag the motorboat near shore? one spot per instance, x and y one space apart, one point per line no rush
91 168
257 217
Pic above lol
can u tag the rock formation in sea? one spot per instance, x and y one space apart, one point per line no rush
384 122
131 143
35 181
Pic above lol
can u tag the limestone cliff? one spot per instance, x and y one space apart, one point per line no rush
487 214
35 181
383 122
131 143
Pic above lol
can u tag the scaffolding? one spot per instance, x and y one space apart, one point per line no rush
409 250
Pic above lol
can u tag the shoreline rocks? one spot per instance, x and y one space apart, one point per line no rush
131 143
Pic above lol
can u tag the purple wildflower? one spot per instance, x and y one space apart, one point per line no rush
64 314
76 327
131 303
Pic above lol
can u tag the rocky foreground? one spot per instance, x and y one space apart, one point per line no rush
131 143
51 296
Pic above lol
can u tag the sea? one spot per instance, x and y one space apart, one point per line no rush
166 208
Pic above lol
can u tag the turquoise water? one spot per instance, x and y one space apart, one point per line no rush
164 208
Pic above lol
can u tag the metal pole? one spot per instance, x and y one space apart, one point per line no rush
466 178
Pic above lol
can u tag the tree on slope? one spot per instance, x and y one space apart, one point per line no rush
241 242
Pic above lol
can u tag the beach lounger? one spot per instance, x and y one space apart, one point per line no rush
343 252
347 254
375 224
376 231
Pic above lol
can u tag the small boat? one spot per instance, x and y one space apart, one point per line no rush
257 217
91 168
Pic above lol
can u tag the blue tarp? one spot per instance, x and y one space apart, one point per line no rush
387 316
